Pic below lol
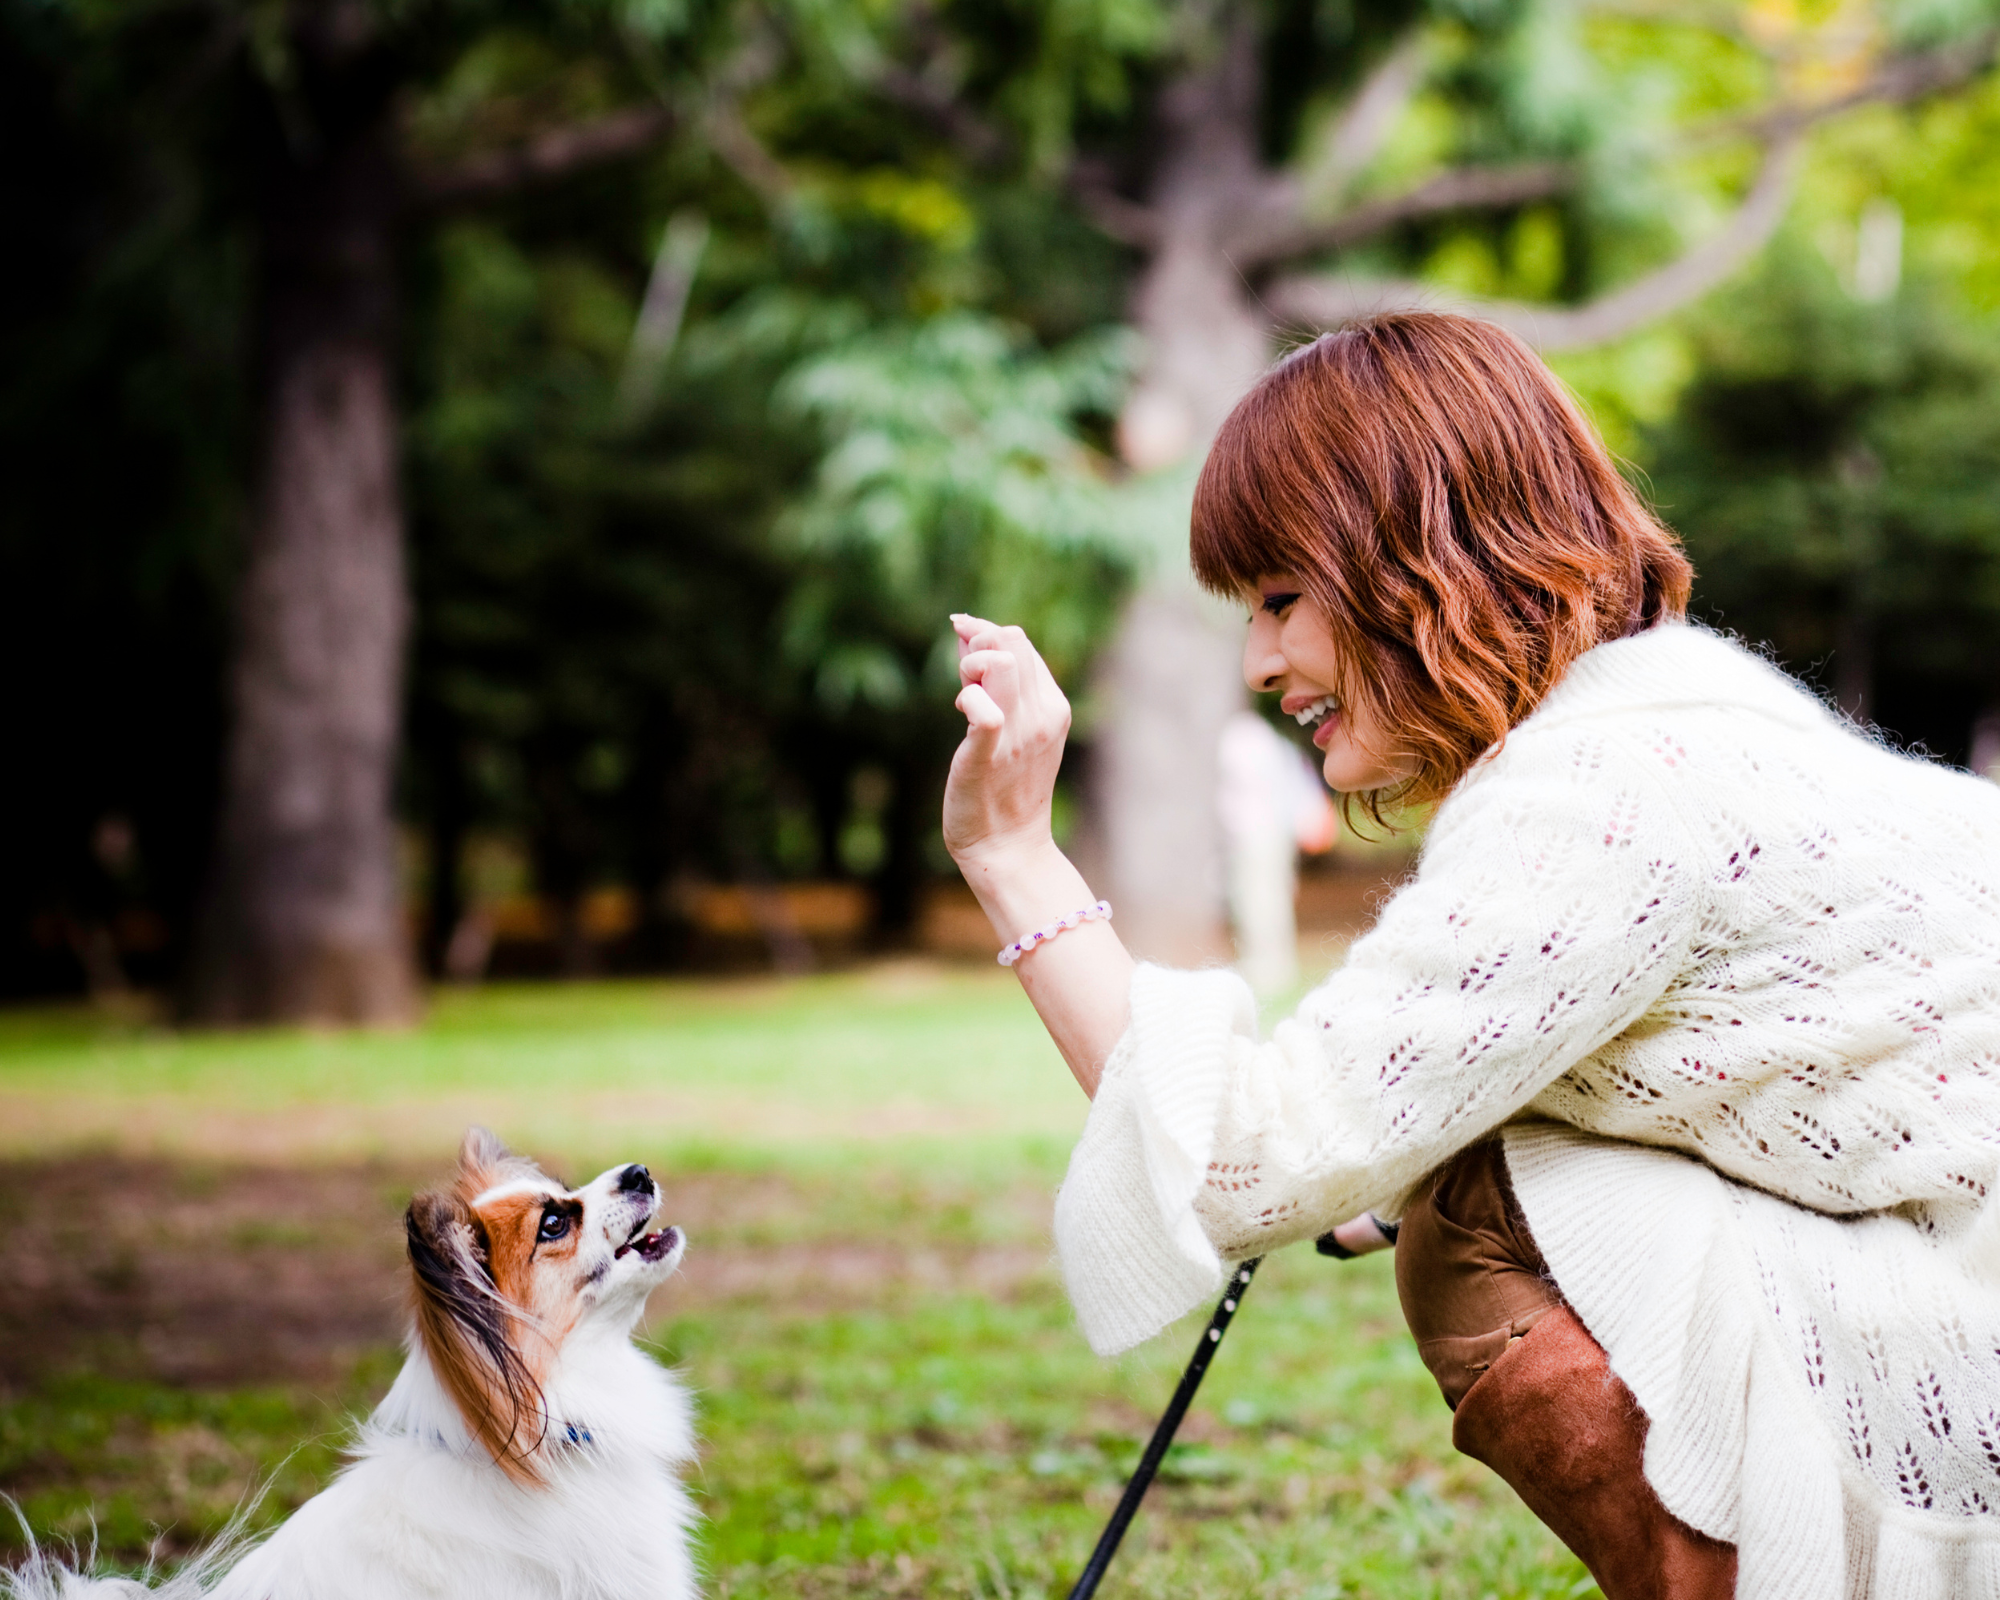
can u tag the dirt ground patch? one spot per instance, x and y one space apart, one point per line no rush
212 1275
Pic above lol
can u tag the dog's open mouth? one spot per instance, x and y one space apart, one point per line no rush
650 1246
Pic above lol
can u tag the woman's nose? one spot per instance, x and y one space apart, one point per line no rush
1263 661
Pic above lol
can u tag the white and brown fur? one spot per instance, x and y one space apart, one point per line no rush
528 1449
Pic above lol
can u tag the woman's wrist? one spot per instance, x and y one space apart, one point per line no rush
1358 1236
1023 885
1003 854
1080 983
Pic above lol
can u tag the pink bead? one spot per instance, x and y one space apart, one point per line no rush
1063 924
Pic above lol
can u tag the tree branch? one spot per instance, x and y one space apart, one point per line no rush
1897 82
979 140
1463 189
1471 188
547 157
1109 212
1324 300
1273 215
743 152
1360 131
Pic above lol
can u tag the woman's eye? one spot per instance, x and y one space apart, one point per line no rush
1277 605
554 1225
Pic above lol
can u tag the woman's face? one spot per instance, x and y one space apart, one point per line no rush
1290 652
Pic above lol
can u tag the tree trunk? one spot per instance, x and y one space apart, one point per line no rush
1168 684
450 819
1858 472
1172 677
908 820
304 921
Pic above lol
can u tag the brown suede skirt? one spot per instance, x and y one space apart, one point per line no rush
1467 1269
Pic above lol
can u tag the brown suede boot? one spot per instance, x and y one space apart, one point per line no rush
1552 1419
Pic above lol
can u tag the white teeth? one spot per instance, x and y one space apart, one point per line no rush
1308 715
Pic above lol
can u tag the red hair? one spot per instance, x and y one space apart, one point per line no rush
1431 485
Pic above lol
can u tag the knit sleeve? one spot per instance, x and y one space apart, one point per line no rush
1557 897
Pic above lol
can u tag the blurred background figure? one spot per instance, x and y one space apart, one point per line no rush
1273 805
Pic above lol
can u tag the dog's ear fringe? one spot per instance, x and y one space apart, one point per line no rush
484 1161
467 1331
481 1150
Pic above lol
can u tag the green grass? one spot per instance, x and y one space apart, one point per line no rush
129 1463
955 1446
934 1033
918 1440
913 1057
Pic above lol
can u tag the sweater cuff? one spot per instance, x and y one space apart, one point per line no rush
1134 1255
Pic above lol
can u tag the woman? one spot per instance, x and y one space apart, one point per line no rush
1678 1059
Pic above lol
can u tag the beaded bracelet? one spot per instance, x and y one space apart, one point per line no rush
1028 941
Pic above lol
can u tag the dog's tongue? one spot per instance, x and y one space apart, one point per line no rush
653 1246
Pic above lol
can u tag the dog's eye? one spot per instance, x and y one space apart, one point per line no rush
554 1225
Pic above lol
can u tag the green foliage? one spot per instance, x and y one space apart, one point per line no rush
706 639
1831 466
668 647
953 478
596 609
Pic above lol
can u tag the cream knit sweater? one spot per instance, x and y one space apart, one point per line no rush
1729 975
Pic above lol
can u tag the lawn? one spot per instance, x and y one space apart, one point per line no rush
200 1252
903 1058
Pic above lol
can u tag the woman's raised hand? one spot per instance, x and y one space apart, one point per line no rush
997 800
997 827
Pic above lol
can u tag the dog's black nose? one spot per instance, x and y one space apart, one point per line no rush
635 1179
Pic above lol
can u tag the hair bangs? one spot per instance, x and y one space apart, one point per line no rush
1439 493
1236 534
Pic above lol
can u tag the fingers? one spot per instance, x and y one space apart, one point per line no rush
976 633
985 725
969 628
981 713
1033 687
998 670
1015 721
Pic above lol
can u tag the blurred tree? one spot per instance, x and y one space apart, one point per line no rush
285 130
1276 155
1832 468
119 421
650 635
954 478
597 610
663 625
603 603
1275 168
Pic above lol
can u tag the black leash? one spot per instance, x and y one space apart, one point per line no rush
1163 1435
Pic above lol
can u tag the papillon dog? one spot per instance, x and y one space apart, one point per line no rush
527 1451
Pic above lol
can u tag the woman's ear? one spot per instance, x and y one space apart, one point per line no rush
467 1329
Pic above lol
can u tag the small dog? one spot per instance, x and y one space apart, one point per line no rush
527 1451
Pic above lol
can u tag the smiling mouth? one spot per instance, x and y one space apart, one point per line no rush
649 1247
1324 706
